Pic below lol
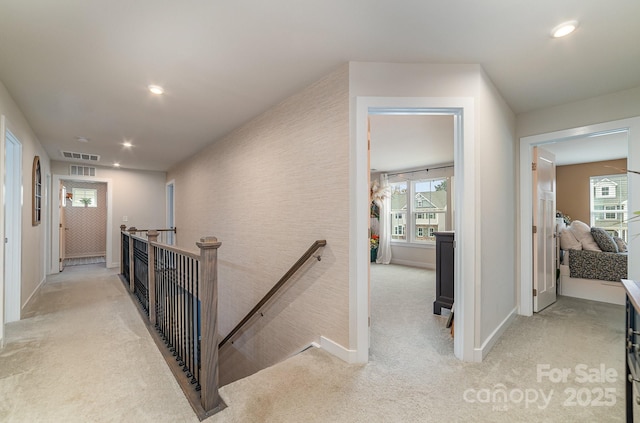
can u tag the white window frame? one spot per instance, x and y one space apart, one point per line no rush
411 236
80 193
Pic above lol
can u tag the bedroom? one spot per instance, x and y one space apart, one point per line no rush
592 213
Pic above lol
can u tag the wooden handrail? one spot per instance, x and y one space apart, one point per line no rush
134 229
297 265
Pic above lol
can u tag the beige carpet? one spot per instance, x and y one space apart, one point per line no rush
82 354
413 376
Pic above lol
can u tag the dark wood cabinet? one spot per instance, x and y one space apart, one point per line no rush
632 349
444 271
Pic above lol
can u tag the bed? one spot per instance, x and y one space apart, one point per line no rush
592 264
593 275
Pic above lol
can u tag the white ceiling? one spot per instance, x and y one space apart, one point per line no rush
81 68
402 142
589 148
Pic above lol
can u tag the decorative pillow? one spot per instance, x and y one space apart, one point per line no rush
622 246
582 232
568 241
604 240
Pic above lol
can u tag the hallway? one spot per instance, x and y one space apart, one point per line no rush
76 357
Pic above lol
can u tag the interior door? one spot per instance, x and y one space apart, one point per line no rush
63 226
544 237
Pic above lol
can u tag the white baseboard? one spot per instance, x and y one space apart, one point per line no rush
114 264
414 264
32 295
480 353
338 350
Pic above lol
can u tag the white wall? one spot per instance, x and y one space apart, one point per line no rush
497 161
137 194
487 214
611 107
33 248
424 257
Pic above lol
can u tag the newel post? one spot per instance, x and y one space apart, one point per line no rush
132 265
208 280
152 236
122 228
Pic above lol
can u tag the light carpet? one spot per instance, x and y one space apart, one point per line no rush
82 354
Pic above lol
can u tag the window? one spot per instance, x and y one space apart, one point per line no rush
36 205
399 230
419 208
84 197
608 203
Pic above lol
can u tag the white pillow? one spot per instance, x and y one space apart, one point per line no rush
568 241
582 232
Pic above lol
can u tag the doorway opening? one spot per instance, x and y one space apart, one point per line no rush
411 165
462 111
558 142
83 223
12 226
95 213
171 217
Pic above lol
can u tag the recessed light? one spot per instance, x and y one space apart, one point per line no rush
156 89
564 29
116 164
82 139
127 144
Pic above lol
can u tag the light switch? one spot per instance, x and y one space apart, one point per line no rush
125 218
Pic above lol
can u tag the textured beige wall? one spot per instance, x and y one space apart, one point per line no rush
572 186
86 234
268 190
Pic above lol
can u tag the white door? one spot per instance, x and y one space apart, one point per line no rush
171 218
62 227
544 237
13 227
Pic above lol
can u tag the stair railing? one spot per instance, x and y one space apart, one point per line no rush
296 266
178 293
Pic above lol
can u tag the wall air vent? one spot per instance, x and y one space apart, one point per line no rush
80 156
82 170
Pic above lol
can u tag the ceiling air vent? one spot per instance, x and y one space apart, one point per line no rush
80 156
82 170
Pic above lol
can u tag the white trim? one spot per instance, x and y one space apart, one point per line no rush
33 294
168 224
420 264
2 235
55 216
467 224
481 353
338 350
525 304
13 209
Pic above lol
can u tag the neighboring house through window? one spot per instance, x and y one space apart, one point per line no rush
419 208
609 204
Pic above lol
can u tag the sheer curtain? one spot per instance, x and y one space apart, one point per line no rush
383 201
